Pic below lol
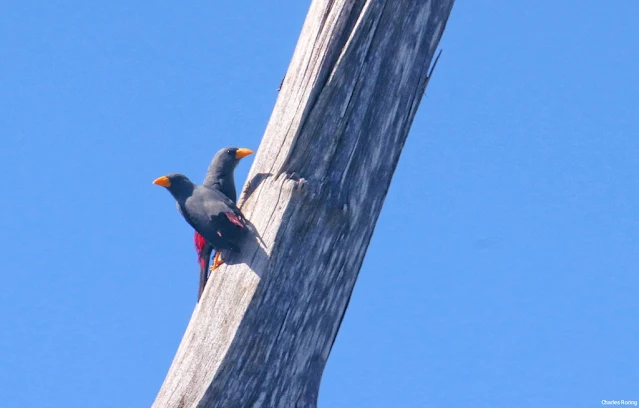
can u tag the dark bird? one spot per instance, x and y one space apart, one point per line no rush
219 176
212 214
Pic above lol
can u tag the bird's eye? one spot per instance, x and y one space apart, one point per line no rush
229 152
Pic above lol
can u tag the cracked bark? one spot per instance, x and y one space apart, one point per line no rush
263 330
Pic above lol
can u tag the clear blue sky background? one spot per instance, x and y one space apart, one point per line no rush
504 267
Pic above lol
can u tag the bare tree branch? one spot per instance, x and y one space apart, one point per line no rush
263 330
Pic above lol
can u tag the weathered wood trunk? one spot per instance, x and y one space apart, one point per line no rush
262 333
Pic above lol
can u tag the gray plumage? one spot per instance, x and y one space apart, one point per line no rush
211 213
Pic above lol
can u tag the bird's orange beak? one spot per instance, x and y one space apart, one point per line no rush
242 152
162 181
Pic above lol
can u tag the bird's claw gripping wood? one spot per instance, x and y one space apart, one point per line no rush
217 261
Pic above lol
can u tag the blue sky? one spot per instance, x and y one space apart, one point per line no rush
503 269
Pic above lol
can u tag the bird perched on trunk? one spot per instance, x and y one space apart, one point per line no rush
212 214
219 176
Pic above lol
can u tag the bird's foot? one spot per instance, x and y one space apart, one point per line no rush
217 261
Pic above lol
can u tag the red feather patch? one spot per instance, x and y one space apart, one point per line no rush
234 219
199 245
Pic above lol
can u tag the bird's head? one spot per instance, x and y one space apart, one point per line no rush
178 184
226 160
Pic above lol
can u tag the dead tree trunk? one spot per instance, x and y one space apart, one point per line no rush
262 333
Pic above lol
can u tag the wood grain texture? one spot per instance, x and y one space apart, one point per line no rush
263 330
